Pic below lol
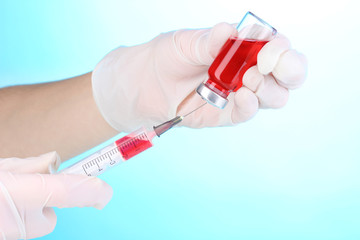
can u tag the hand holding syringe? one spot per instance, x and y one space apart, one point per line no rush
122 149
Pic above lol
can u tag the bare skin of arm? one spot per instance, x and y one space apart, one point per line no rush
57 116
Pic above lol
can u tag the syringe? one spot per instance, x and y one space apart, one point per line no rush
122 149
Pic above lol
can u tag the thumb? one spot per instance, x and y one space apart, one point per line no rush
46 163
199 47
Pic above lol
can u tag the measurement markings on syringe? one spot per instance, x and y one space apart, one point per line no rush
99 159
131 145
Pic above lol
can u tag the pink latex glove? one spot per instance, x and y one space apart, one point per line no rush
153 82
28 192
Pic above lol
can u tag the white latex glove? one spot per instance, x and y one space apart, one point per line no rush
150 83
28 192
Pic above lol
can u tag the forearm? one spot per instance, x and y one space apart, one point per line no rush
59 116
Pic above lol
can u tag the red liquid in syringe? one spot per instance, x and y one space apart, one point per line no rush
234 59
133 144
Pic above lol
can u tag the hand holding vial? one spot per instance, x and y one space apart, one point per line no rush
150 83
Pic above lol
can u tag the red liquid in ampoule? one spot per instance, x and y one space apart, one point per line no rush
234 59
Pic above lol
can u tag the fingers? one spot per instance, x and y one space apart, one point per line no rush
46 163
268 92
19 219
253 78
288 66
269 55
290 71
77 191
218 35
246 105
61 190
40 223
26 200
271 94
199 47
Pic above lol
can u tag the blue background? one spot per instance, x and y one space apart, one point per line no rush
291 173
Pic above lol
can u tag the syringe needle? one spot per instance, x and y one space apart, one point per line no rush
194 110
160 129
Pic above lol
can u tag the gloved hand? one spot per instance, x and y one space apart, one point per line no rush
28 192
153 82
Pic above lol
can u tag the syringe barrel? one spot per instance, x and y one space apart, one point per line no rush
113 154
97 163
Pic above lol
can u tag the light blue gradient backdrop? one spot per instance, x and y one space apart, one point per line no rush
291 173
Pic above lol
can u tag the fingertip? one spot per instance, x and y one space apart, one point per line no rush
291 69
303 58
45 224
200 47
278 100
225 28
51 218
55 161
246 105
106 192
235 25
271 94
252 78
51 162
218 36
100 191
